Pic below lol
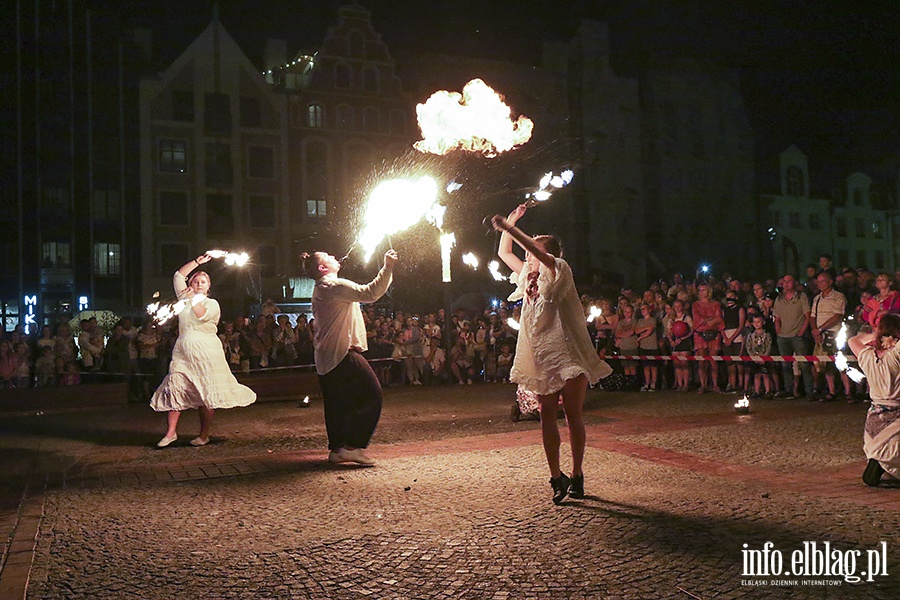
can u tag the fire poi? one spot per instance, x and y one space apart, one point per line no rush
161 312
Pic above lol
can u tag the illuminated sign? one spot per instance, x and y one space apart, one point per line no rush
30 305
82 303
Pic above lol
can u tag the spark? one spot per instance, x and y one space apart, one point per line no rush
475 121
396 205
453 186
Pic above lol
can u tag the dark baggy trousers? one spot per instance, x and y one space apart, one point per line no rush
352 399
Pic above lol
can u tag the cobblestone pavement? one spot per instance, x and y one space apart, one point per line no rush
457 507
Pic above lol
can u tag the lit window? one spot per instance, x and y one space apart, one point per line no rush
315 116
107 259
172 156
316 209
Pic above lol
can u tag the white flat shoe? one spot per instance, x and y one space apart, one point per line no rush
197 441
166 441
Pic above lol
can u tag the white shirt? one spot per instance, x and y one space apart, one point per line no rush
339 321
883 374
824 307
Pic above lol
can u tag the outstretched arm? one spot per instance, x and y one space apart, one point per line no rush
505 248
521 238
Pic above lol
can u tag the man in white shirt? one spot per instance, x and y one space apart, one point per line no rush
350 389
826 318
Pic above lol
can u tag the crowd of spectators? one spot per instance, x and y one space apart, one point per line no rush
673 319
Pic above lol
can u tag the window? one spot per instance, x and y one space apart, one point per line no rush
56 254
879 259
840 226
857 197
218 114
218 164
814 221
795 184
219 216
316 209
107 259
794 220
877 232
266 257
860 228
262 211
370 79
173 208
172 156
371 119
261 162
183 105
342 76
107 206
775 217
171 257
860 259
397 122
250 112
315 115
56 201
344 117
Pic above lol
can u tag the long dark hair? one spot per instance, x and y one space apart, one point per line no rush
550 244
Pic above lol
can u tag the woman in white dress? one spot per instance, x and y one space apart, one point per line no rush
554 352
878 353
199 376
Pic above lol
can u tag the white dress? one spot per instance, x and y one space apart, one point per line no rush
199 374
554 345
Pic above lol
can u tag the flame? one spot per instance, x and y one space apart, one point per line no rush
742 402
513 323
470 259
596 311
448 240
231 258
548 180
476 121
394 206
161 313
840 339
494 270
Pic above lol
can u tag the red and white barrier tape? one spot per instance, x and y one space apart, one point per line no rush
756 359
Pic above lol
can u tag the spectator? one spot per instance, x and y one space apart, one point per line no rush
149 364
284 341
9 364
681 345
648 346
734 316
504 363
759 343
304 344
71 376
885 301
45 368
461 362
64 343
708 323
627 342
826 315
791 312
435 362
91 351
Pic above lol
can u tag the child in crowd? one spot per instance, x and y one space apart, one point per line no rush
72 376
45 368
648 346
680 337
759 343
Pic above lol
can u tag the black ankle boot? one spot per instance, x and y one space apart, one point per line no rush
576 488
872 474
560 487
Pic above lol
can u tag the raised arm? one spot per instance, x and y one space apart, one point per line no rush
521 238
505 248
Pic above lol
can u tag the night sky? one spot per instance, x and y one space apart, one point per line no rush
816 73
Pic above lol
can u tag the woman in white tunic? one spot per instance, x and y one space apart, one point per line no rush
199 376
554 352
878 354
